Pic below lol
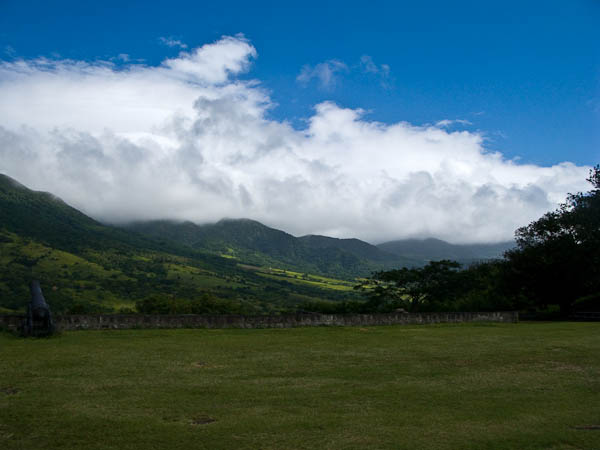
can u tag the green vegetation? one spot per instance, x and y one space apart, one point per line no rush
113 281
440 286
256 244
471 386
259 245
306 279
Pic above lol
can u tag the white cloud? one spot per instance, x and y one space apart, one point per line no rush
188 140
382 71
172 42
448 123
326 73
367 65
213 63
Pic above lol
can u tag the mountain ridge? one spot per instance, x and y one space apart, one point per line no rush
252 268
429 249
246 237
256 243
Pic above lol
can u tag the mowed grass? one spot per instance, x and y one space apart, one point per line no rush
471 386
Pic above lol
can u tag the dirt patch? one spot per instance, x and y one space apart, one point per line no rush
205 365
202 420
587 427
9 390
463 362
565 367
5 434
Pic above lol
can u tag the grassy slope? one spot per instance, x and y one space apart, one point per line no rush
483 386
110 280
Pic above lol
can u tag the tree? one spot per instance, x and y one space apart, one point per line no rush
414 288
557 259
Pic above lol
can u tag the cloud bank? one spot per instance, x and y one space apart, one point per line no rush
326 72
188 139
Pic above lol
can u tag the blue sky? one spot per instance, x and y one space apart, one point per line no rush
524 73
379 120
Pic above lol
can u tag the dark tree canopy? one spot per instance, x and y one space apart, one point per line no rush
577 220
556 261
414 288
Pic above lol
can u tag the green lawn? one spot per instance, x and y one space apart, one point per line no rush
472 386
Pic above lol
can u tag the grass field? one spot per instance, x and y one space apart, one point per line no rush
302 278
471 386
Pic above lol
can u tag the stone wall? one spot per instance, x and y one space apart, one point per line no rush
129 321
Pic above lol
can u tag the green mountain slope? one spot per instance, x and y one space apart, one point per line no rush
86 266
435 249
356 247
42 216
254 243
49 220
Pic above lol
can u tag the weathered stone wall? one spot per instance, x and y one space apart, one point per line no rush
128 321
10 321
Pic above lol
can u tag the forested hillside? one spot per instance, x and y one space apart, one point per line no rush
255 243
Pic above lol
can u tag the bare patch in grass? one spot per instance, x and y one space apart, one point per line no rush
205 365
4 434
9 390
463 362
565 367
202 420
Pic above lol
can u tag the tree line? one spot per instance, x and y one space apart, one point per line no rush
554 266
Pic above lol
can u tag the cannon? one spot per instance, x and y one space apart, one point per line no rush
39 318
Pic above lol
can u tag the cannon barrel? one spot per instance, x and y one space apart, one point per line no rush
39 318
39 307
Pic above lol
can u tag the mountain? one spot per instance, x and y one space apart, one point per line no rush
356 247
435 249
247 266
255 243
85 266
50 221
43 216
